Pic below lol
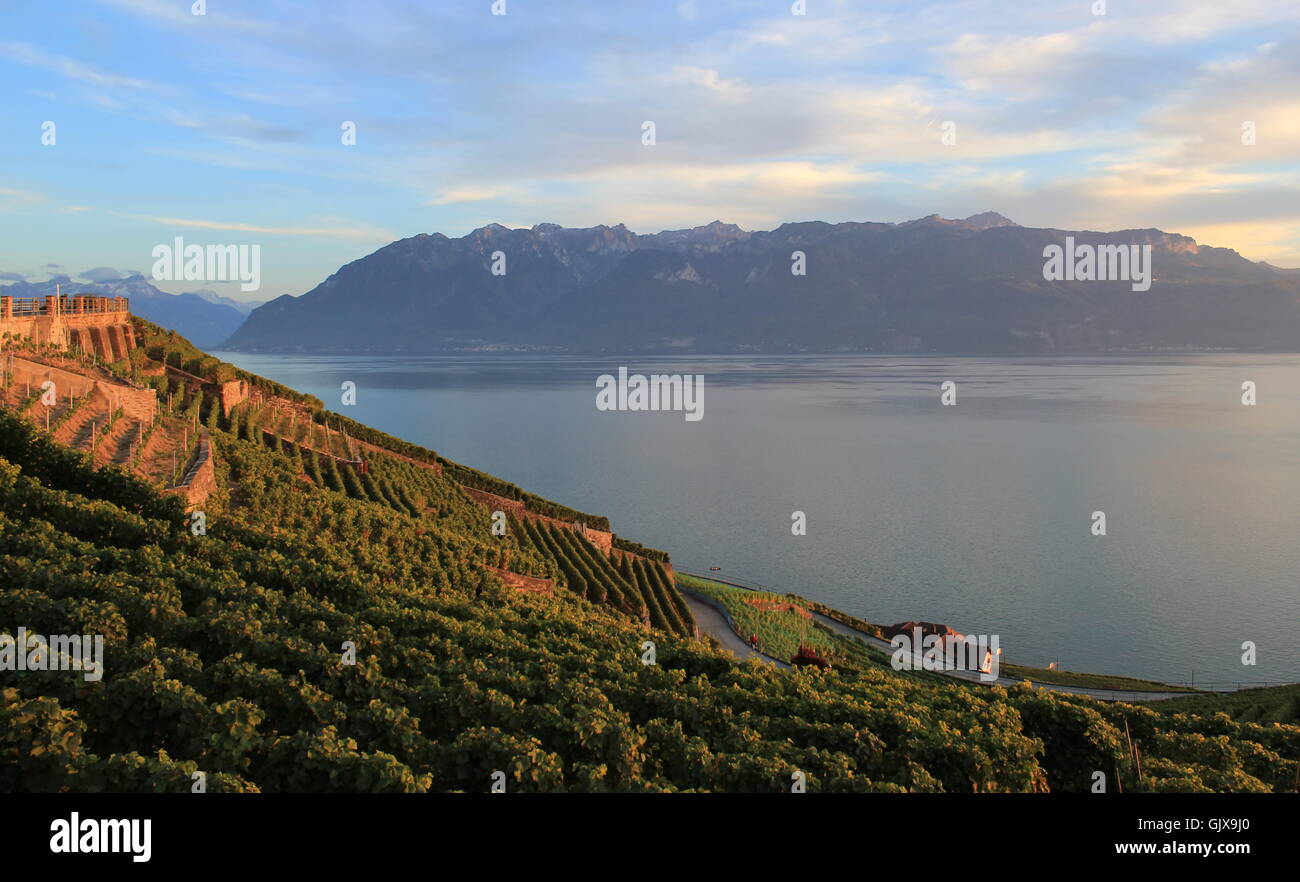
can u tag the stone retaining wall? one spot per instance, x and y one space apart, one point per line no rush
201 479
602 539
520 582
138 404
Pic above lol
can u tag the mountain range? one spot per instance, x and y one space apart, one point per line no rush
974 285
928 285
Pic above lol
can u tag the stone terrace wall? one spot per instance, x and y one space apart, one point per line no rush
602 539
138 404
501 503
201 480
520 582
232 392
599 538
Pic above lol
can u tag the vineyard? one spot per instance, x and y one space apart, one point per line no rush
337 627
1274 704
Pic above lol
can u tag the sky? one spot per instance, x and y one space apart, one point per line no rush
228 127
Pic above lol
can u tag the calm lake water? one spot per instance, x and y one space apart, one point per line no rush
978 516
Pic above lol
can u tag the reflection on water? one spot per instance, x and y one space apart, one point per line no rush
977 515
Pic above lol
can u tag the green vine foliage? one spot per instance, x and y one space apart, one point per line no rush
224 653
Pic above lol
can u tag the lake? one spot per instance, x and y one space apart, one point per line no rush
978 515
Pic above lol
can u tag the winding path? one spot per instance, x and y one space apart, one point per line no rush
716 626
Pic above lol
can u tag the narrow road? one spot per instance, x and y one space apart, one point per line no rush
715 625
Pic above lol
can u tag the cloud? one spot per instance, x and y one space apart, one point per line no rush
1273 241
712 80
12 201
1063 118
1204 121
13 277
1192 21
101 274
24 53
360 233
180 13
468 194
815 37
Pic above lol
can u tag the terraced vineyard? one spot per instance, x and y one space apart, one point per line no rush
640 588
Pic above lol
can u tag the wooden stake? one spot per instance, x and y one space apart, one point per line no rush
1129 738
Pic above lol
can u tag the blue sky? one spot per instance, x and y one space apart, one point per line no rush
225 128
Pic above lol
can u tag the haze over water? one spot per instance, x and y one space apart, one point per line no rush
977 516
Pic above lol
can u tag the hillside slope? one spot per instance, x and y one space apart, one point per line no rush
339 628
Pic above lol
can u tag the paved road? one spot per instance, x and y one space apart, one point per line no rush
715 625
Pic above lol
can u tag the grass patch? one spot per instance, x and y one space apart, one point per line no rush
1090 681
838 615
1273 704
781 632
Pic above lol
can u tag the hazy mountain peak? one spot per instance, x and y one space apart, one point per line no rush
982 221
711 235
102 274
986 219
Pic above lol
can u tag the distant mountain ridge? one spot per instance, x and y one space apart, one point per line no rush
243 307
195 316
928 285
